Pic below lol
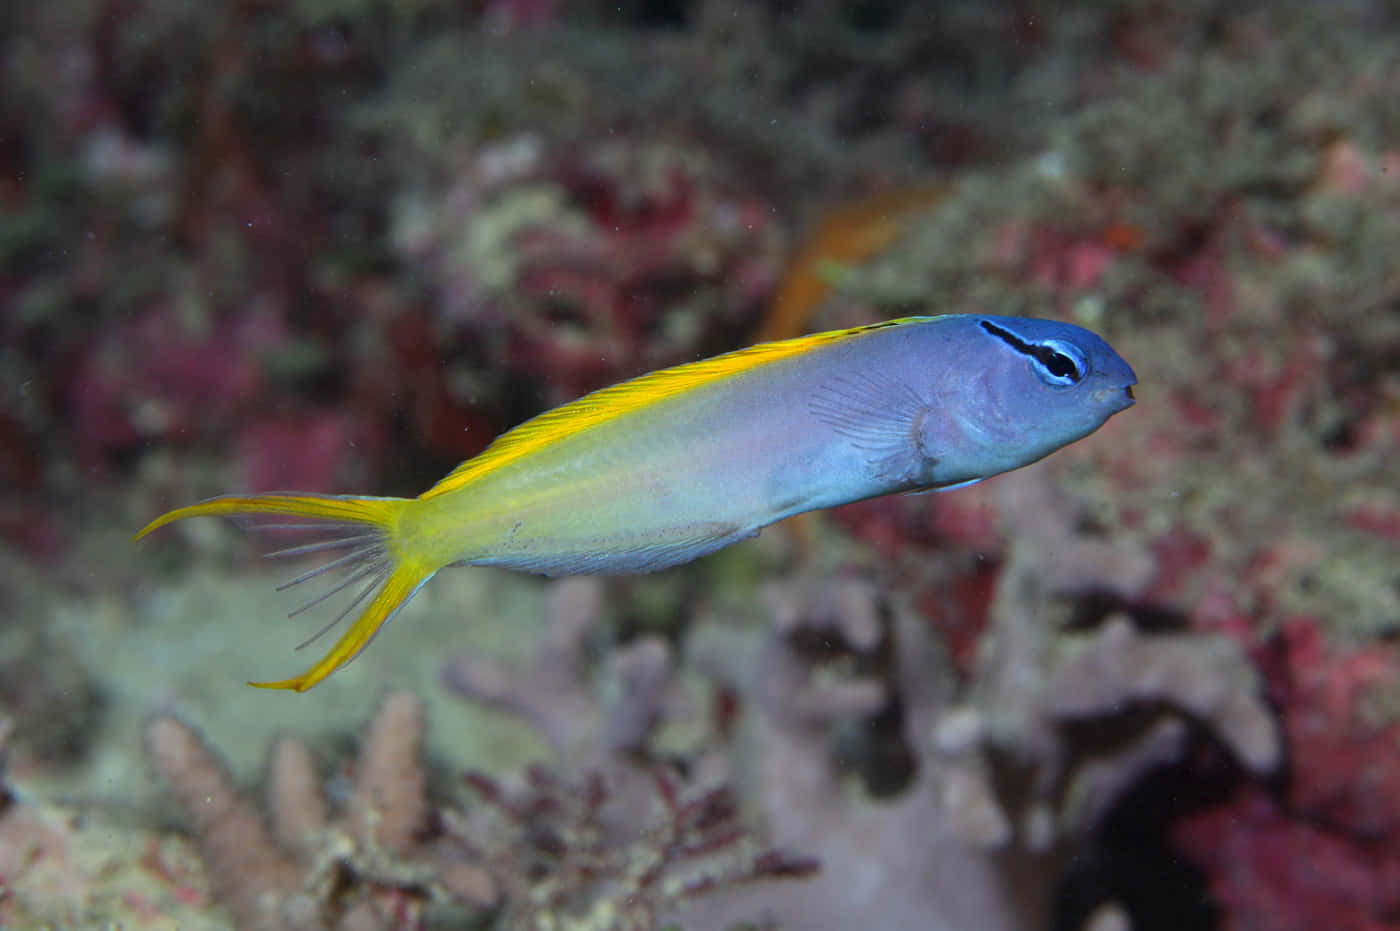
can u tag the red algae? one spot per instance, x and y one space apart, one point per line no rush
1325 851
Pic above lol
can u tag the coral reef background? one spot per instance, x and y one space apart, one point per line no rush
339 245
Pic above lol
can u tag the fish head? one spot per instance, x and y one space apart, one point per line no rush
1032 386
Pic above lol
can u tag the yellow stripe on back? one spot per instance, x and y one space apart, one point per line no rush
612 402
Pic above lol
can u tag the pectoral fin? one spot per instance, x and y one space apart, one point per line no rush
880 417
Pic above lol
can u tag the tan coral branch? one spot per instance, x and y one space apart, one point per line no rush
390 805
248 872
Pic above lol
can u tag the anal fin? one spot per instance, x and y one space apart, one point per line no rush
659 550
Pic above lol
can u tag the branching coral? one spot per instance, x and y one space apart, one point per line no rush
553 692
616 849
1083 714
1002 776
630 842
374 866
573 859
829 690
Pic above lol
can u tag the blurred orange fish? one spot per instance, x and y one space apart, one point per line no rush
847 234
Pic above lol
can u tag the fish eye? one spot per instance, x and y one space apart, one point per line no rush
1058 363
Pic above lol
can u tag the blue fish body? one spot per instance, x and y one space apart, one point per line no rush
909 405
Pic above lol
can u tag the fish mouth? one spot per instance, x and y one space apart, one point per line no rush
1116 398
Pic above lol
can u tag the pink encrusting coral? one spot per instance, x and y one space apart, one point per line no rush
1270 869
1324 850
596 263
158 377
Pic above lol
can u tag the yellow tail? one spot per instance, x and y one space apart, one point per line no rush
361 533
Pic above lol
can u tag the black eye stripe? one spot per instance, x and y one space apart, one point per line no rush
1011 339
1055 362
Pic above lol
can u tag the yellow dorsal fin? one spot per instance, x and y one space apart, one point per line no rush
609 403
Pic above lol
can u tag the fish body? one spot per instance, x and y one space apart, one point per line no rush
665 468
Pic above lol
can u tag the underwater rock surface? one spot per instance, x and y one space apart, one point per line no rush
338 247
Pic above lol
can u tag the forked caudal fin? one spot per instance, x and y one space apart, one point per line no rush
360 538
